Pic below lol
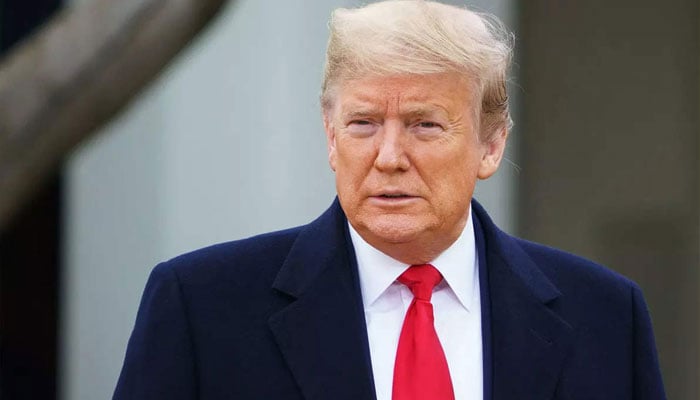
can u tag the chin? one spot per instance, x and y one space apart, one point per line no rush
394 229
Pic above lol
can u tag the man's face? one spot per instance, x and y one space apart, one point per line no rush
407 155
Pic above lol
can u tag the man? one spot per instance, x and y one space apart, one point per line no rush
404 288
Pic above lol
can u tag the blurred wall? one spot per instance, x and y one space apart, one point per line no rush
227 143
609 152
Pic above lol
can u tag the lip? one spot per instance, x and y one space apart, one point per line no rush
393 198
392 191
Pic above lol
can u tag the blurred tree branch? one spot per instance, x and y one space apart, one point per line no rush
75 74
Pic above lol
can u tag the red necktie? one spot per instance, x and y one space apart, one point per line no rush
420 371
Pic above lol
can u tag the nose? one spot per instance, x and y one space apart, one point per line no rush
391 152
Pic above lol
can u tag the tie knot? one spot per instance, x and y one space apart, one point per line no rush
421 279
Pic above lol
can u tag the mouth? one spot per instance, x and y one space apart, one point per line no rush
393 198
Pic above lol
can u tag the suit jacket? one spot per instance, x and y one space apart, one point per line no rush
280 316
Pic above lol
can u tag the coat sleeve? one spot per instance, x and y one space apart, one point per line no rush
159 362
648 384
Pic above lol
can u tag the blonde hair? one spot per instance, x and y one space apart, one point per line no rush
423 37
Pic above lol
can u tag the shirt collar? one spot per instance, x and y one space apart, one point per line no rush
457 264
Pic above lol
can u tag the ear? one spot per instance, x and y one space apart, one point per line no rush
330 138
493 153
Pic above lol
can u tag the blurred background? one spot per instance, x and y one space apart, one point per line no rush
227 142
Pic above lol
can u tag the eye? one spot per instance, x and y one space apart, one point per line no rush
361 127
360 122
428 125
427 129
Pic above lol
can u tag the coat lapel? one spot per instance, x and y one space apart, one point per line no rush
529 340
322 333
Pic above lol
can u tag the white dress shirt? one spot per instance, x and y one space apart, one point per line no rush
456 304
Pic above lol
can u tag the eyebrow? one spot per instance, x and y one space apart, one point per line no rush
416 110
361 113
360 107
421 110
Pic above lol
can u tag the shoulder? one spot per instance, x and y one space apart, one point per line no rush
251 265
566 268
260 255
588 289
534 262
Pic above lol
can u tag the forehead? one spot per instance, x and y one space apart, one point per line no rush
420 93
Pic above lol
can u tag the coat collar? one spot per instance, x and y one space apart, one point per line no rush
529 341
323 337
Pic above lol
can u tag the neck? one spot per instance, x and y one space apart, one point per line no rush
421 250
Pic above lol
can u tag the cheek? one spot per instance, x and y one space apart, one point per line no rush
345 167
456 180
353 157
348 188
